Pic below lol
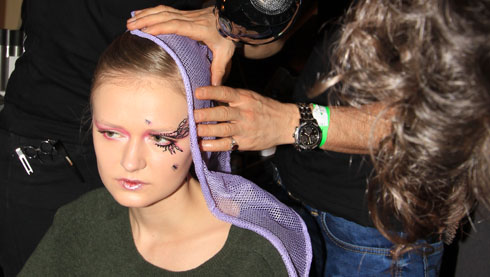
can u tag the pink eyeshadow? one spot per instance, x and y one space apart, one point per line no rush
103 127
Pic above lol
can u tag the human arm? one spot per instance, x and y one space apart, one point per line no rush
257 122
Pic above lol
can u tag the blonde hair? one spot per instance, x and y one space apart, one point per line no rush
132 55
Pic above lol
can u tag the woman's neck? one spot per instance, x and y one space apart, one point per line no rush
171 215
179 233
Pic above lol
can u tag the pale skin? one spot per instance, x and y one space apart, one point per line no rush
254 121
171 225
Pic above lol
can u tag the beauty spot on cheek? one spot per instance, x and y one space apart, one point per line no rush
181 132
175 167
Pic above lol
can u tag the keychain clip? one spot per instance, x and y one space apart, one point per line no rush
24 161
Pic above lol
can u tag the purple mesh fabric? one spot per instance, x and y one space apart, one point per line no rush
232 198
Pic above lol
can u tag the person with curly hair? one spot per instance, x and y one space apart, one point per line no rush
408 84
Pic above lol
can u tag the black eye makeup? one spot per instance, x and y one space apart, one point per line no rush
168 141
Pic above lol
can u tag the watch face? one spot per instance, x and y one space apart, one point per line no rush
309 136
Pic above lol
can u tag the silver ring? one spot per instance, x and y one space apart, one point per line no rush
234 144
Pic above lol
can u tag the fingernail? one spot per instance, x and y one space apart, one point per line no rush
199 92
206 144
200 145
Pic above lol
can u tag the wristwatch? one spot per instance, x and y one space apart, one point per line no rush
307 135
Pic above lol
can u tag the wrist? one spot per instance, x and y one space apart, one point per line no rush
322 116
308 134
292 115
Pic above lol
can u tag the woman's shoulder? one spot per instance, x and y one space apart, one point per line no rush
93 205
82 232
254 242
249 254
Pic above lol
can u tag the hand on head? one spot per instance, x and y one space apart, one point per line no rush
199 25
255 122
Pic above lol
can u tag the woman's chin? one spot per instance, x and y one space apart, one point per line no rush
131 200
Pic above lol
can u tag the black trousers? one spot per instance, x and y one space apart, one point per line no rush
28 202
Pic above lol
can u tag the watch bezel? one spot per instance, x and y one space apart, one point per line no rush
297 133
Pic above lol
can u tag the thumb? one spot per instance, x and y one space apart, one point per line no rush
220 74
218 70
221 63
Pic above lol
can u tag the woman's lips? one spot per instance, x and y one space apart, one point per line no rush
131 184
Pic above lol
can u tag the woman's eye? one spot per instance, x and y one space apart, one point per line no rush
110 134
166 144
161 140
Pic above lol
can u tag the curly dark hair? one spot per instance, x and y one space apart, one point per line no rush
429 61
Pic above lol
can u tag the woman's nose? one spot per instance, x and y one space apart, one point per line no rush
133 158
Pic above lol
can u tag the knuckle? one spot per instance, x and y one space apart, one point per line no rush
226 112
227 129
203 130
223 92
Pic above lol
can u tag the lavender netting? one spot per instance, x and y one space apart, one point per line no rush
229 197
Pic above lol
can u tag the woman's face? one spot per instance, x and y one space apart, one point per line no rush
141 138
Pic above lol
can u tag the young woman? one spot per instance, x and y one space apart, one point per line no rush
185 214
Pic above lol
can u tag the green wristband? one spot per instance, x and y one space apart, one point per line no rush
322 116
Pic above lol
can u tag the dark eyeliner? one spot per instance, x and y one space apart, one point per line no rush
181 132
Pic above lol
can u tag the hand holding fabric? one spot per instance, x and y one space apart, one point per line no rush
199 25
255 122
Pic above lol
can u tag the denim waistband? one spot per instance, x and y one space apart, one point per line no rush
356 234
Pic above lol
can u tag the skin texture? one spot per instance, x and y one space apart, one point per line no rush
165 203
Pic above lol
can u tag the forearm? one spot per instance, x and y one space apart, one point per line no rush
256 122
351 130
357 130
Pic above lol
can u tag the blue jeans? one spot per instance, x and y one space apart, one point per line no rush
344 248
355 250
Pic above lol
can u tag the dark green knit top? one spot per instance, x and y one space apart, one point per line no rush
92 237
